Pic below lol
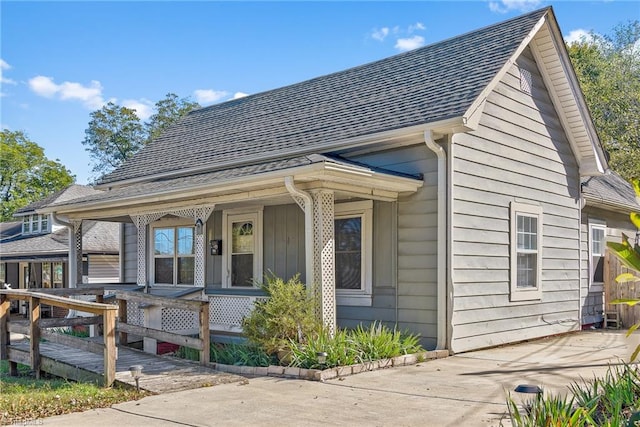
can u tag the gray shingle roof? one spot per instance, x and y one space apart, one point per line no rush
71 192
610 189
98 237
426 85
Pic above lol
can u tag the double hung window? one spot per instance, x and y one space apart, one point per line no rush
526 252
174 255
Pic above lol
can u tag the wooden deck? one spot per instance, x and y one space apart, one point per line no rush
160 374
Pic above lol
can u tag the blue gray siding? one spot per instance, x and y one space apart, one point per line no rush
519 153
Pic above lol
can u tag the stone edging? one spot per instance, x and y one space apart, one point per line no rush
330 373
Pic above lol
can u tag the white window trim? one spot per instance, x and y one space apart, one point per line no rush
595 286
256 215
532 293
166 223
364 210
35 223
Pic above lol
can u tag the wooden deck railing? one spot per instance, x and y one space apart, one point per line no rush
37 328
199 306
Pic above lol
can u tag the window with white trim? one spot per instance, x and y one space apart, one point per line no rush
242 248
597 247
173 255
526 252
32 224
353 235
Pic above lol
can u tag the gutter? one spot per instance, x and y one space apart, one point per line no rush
441 327
308 228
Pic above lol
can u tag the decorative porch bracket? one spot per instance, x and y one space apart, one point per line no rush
142 221
324 256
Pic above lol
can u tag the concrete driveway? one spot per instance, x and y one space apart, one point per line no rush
467 389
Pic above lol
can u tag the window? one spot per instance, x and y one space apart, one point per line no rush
597 246
242 248
26 225
57 275
174 255
353 227
46 274
526 252
35 224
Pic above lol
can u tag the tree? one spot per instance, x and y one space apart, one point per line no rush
168 111
26 175
114 134
608 68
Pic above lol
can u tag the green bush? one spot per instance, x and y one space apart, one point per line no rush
230 354
608 401
348 347
287 316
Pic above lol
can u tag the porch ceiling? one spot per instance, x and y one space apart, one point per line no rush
261 183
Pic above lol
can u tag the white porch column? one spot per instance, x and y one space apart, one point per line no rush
75 253
324 256
141 222
199 274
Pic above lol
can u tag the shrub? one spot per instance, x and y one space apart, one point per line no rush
287 316
229 354
348 347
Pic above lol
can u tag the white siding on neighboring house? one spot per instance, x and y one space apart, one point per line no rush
518 154
104 268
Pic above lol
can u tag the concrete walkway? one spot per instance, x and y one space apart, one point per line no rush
464 390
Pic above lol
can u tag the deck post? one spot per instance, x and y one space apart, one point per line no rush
205 355
5 308
109 330
34 332
122 318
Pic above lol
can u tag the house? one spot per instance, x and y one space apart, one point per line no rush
438 190
34 251
608 201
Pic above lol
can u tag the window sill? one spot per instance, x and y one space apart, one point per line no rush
363 300
526 295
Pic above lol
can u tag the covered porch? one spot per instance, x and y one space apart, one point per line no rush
214 235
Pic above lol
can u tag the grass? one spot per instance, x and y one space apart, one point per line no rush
24 399
230 354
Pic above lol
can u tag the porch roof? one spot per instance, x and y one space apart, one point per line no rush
244 183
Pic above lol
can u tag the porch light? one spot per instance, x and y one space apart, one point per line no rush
136 371
322 357
199 227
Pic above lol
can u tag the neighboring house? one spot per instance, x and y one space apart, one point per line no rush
34 252
437 190
609 200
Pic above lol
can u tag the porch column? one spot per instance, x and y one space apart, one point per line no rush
199 274
141 222
75 253
324 256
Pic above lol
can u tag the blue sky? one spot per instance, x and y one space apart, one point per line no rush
62 60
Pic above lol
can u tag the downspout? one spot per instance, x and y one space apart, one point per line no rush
441 327
121 264
308 227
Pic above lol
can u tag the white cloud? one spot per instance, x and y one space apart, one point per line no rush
504 6
3 67
143 107
208 96
380 34
578 35
90 96
239 95
418 26
410 43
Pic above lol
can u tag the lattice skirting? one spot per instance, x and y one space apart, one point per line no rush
226 312
174 319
